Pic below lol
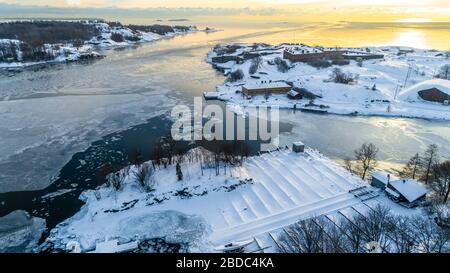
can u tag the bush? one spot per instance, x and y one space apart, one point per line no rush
338 76
117 37
9 52
256 63
340 62
444 72
319 63
235 76
305 93
133 38
282 65
144 175
359 61
158 29
117 179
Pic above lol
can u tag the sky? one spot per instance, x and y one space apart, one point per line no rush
233 3
305 10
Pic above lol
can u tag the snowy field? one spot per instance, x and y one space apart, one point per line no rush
250 202
386 87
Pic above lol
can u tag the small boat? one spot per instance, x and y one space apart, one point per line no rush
234 247
211 95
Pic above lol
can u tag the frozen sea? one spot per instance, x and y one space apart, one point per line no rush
48 113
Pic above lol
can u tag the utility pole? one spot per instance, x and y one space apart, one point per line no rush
407 76
397 90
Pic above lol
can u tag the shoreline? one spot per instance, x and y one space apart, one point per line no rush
232 106
89 50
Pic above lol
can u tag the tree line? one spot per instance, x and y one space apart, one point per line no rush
378 230
219 156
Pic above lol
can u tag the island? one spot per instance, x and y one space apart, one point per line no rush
25 43
385 81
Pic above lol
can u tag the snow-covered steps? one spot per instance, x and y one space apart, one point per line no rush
284 218
287 187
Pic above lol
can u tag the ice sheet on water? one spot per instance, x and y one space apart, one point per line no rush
38 136
173 226
19 232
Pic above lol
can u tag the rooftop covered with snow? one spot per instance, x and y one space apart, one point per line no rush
383 177
266 85
411 93
409 188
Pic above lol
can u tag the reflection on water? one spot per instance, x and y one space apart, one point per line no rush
410 38
338 136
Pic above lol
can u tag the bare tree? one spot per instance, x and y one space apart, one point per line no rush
359 61
334 241
367 158
144 176
349 165
179 172
441 181
282 65
235 76
302 237
412 167
442 215
429 158
338 76
374 225
116 179
430 237
444 72
256 63
401 233
356 236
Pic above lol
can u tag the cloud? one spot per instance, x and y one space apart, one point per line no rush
73 3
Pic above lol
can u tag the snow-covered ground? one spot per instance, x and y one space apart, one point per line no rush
384 86
265 194
69 53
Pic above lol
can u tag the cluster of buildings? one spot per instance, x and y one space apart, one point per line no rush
305 53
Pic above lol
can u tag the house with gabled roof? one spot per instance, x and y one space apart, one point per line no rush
406 191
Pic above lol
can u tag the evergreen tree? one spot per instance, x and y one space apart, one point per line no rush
411 168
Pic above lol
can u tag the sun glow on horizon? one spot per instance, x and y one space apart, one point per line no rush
414 20
410 38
